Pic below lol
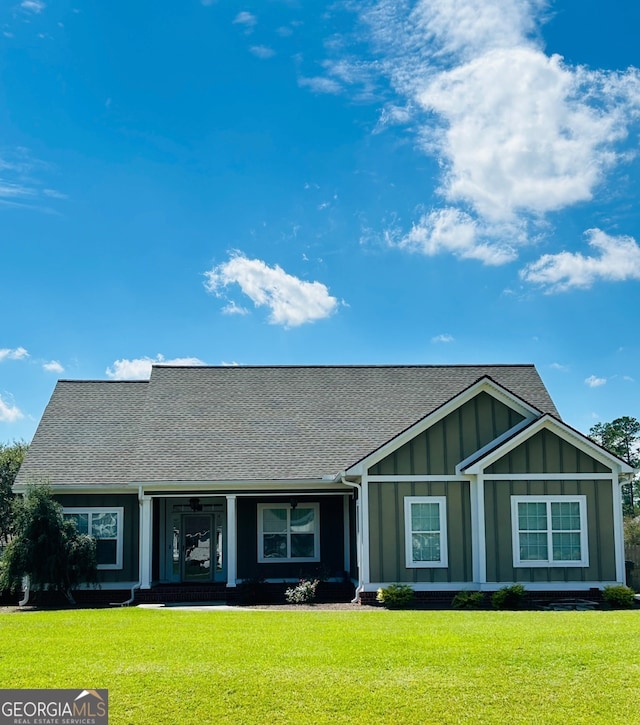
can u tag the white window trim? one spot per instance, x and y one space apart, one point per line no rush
443 563
316 534
548 500
119 511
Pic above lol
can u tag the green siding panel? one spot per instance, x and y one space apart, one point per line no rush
387 533
443 445
600 527
131 540
546 452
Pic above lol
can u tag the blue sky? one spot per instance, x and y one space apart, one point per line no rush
280 182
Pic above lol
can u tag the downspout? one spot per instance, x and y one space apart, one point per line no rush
138 584
26 587
131 599
359 553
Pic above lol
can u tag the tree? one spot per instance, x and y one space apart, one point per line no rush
622 437
11 457
46 547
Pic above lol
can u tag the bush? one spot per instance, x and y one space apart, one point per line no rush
395 596
619 597
468 600
46 548
251 591
511 597
303 593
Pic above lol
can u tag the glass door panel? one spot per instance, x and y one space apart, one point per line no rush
197 547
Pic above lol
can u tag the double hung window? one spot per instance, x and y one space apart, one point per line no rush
549 531
425 526
105 525
288 534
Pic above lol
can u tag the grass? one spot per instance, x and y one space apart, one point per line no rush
168 666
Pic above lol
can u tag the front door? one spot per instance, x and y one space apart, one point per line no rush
196 547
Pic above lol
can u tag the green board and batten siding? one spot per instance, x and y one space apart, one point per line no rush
386 531
497 502
443 445
546 452
435 451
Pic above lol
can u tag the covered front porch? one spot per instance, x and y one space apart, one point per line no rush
202 544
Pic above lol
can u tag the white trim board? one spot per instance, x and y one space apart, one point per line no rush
493 586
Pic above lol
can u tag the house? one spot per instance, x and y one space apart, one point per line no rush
442 477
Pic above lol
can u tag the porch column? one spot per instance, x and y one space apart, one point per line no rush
146 525
232 541
347 535
365 576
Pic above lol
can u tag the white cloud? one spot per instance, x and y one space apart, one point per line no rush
245 18
53 367
445 337
519 134
451 230
18 353
140 368
320 84
9 413
594 382
262 51
33 6
558 366
291 301
54 194
231 308
617 259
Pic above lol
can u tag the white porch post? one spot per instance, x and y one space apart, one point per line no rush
232 541
364 514
146 525
347 534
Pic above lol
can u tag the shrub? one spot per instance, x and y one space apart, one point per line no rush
303 593
468 600
511 597
46 547
395 596
251 591
619 596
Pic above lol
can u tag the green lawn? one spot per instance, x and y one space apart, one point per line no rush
365 666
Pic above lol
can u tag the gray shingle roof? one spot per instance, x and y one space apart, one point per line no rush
87 434
246 423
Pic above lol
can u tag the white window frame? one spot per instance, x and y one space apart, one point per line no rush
287 507
550 561
410 563
99 510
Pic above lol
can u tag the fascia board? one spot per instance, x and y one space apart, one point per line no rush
486 385
565 432
59 488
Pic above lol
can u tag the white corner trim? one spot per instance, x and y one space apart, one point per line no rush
618 530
